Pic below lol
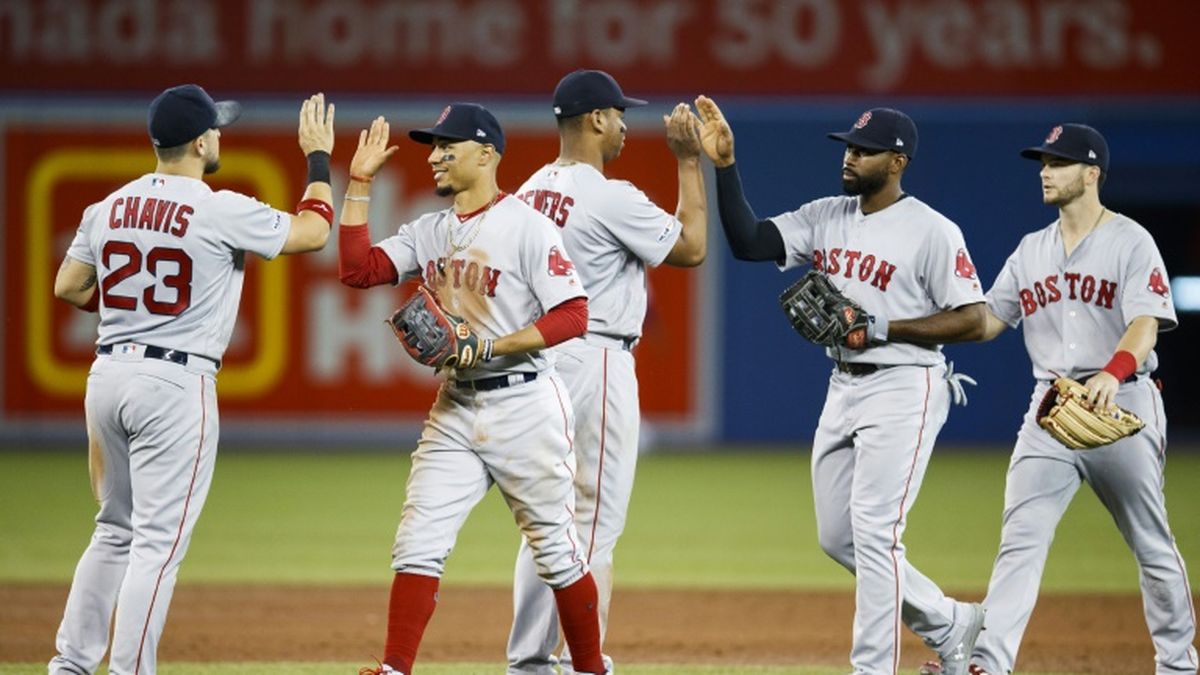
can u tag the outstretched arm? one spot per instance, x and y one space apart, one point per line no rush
310 227
961 324
749 238
361 265
683 137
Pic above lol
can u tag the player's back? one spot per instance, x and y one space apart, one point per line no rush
612 231
169 254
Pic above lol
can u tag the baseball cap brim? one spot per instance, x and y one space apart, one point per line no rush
426 136
852 139
627 102
1036 153
227 113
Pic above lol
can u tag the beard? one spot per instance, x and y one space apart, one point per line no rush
1067 193
212 167
864 185
443 190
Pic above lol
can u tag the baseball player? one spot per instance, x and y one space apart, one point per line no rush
907 265
162 259
1092 293
502 266
613 232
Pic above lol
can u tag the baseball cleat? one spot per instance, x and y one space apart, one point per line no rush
956 660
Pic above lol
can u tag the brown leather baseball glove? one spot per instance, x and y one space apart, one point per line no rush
1067 416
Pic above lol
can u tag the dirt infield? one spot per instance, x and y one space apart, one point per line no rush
1072 633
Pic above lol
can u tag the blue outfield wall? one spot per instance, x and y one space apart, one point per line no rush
967 167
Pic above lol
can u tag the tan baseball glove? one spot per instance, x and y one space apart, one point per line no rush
1067 416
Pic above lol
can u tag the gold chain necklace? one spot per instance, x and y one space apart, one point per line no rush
452 248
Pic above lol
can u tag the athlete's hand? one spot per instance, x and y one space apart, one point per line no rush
373 149
715 135
683 132
316 125
1102 391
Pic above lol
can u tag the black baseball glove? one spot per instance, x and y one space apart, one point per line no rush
824 316
434 336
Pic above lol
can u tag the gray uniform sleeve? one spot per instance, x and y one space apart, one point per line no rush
1146 289
796 228
1003 298
401 248
246 224
638 223
81 245
950 276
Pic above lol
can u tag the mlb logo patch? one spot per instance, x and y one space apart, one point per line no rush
157 182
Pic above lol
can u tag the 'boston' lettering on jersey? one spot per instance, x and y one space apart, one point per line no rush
1079 287
157 215
459 273
841 261
553 205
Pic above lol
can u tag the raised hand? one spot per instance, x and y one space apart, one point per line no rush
316 125
373 149
715 135
683 132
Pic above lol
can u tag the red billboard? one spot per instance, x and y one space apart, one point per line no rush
305 347
771 47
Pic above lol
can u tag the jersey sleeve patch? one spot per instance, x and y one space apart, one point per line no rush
558 265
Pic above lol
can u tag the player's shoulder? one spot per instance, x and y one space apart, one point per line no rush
518 214
1122 226
913 207
825 209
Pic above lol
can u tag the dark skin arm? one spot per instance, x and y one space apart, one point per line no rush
961 324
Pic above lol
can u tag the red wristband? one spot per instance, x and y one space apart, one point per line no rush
361 179
1121 365
317 206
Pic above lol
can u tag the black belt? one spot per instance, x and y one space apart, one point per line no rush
1129 380
857 368
498 382
152 352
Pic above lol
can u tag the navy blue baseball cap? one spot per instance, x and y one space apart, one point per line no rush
180 114
1076 142
583 91
463 122
882 129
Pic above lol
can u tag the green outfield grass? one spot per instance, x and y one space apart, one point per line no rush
732 519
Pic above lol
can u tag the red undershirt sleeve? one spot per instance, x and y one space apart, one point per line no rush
361 265
564 321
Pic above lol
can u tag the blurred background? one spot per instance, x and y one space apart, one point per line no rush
312 362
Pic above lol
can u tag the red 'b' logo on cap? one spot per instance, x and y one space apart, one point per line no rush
558 265
862 120
1054 134
963 267
442 118
1157 284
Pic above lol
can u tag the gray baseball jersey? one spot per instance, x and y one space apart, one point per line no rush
480 275
169 255
906 261
1074 310
613 232
878 427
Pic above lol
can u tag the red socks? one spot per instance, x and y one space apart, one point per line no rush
414 597
577 609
